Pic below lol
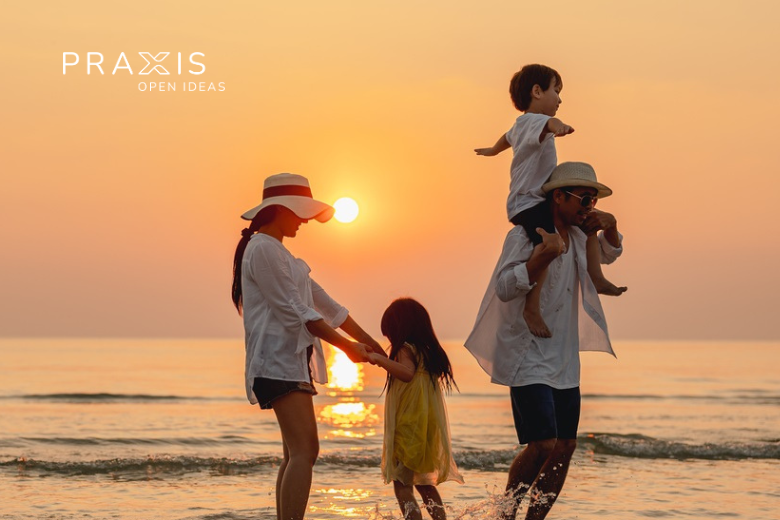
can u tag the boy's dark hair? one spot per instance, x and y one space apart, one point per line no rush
523 82
407 321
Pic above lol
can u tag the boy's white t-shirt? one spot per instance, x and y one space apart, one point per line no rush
532 164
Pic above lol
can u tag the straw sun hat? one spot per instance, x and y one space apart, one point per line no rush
293 192
569 174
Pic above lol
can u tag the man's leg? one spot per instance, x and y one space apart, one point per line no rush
523 473
551 478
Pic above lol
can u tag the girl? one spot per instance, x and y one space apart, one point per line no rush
285 315
416 451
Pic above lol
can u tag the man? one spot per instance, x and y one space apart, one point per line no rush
544 373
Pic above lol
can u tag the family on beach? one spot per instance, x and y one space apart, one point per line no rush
540 309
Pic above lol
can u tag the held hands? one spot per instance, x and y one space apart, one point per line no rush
488 152
358 352
558 128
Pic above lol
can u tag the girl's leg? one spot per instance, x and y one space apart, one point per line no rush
295 413
603 286
405 496
432 501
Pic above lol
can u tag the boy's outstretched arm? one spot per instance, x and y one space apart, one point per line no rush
556 127
501 145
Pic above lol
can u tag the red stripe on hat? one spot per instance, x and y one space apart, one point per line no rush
290 189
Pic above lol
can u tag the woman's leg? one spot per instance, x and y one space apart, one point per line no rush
279 477
432 500
405 496
295 413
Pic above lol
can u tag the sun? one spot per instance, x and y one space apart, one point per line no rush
346 210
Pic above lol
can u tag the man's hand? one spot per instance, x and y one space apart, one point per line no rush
598 220
488 152
558 128
552 244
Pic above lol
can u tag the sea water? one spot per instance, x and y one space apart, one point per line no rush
161 429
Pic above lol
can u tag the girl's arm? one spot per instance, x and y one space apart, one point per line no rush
402 369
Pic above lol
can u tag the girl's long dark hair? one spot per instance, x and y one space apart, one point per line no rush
265 216
407 321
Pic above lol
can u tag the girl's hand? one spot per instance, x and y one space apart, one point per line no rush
374 358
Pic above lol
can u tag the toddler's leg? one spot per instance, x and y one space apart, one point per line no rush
532 312
405 496
432 501
603 286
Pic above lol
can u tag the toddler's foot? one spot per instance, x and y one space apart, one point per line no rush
604 286
536 324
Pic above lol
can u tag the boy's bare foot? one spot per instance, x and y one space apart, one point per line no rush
536 323
608 288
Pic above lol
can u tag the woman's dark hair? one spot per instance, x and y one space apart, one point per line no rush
262 218
523 83
407 321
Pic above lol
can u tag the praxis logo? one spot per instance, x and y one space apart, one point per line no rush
153 64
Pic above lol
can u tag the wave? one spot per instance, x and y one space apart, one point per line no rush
103 397
631 446
644 447
222 440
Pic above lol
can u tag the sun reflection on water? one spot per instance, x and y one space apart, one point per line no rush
350 417
343 374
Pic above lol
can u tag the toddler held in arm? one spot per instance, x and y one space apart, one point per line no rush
535 91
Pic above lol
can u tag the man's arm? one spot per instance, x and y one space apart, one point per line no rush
602 221
501 145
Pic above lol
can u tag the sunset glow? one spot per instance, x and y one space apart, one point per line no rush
343 374
346 210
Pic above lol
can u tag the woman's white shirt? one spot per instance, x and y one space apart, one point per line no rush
279 298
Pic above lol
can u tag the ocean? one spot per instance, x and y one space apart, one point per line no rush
161 429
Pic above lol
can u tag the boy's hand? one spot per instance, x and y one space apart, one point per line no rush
489 152
558 128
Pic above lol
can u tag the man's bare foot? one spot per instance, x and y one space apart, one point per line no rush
608 288
536 324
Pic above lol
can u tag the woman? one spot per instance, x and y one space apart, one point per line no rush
286 313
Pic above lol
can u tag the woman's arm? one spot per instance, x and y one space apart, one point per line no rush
357 352
402 369
351 327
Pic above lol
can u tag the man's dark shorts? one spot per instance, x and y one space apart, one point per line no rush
543 412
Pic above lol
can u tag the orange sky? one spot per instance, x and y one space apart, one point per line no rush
120 207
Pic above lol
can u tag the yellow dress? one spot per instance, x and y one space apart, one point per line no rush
416 448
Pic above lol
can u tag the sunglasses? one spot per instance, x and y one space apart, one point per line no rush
585 200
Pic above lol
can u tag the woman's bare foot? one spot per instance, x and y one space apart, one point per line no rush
604 286
536 323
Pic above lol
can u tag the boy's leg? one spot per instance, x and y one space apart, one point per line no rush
405 496
432 501
603 286
532 313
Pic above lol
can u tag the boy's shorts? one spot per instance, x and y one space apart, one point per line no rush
542 412
539 216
